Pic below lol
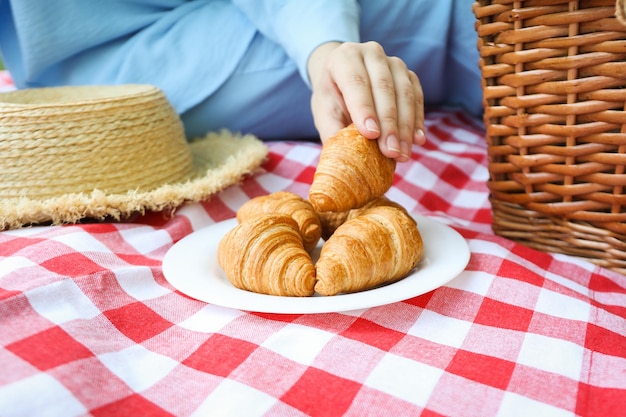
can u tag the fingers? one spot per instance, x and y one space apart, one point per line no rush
353 80
385 81
327 104
419 137
361 84
329 110
396 111
398 99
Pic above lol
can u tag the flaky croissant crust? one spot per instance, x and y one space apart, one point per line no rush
351 172
331 220
369 239
374 245
265 255
286 202
379 246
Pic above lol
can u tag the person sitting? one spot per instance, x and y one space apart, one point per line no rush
280 69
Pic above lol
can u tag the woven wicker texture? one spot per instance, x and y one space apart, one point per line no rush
554 78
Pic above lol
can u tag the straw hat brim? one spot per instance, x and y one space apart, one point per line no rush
221 159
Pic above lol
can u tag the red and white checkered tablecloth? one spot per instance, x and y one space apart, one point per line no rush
90 326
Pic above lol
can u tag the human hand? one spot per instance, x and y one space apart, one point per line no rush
358 83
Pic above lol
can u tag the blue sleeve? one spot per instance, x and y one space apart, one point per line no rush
300 26
187 48
49 32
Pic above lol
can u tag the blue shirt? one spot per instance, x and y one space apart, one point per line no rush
140 41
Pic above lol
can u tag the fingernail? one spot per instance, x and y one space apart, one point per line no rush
420 137
371 125
405 150
393 144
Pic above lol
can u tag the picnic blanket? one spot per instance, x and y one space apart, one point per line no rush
91 326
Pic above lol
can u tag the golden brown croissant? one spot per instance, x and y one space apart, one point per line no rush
331 220
289 203
265 254
351 172
381 245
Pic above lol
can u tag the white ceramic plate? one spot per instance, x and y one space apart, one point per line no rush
191 267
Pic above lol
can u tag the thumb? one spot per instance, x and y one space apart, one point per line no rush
328 117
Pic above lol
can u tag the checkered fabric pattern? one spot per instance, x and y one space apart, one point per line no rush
89 325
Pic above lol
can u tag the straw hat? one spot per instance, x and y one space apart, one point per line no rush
69 153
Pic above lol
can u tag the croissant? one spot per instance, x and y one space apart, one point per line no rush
351 172
331 220
289 203
380 246
265 255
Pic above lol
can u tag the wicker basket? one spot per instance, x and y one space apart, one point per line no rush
554 84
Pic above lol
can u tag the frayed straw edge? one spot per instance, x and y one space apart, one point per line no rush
71 208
